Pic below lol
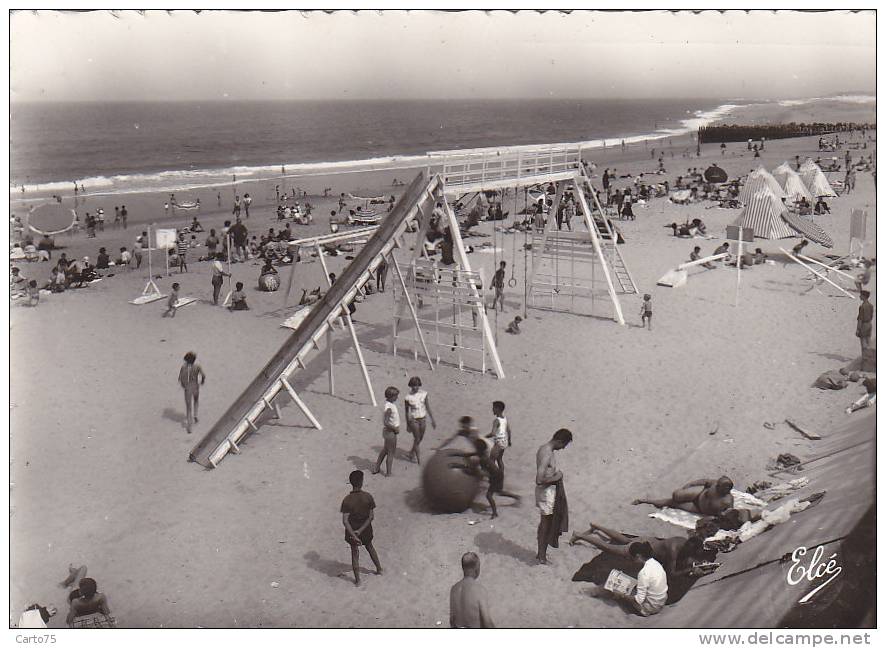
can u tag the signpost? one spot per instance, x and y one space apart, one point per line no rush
165 240
742 235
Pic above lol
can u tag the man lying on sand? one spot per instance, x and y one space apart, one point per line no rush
677 555
702 496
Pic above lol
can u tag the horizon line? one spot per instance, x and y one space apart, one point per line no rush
536 98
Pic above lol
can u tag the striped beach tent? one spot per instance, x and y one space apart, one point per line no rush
818 184
781 170
763 212
759 179
794 187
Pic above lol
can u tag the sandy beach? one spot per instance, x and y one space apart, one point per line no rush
99 451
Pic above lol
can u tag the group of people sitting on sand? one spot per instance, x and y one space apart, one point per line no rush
301 215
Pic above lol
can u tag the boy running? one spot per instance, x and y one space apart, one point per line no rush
172 301
483 465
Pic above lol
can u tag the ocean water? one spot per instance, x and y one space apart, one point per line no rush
129 147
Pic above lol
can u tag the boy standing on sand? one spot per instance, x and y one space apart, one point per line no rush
498 285
172 301
418 409
140 243
358 511
218 278
501 435
181 248
190 377
646 310
390 430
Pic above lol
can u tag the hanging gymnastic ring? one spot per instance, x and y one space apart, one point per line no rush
512 282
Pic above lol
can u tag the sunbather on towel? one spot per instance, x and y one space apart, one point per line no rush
702 496
677 555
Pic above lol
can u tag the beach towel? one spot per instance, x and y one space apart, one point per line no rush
186 205
687 520
680 196
679 517
725 540
560 517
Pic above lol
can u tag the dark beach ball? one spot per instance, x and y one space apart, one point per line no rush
448 490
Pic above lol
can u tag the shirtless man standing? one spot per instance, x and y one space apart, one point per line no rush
546 478
468 601
702 496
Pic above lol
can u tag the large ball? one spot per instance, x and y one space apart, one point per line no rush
447 489
269 282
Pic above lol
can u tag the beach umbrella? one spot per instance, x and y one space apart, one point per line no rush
808 229
764 213
715 174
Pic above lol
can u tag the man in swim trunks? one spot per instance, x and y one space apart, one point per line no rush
468 600
702 496
865 319
546 478
677 554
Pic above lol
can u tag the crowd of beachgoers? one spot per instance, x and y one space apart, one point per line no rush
644 571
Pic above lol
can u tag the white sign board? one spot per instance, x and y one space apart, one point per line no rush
165 238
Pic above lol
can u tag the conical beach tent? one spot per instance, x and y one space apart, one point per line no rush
759 179
818 184
763 212
781 170
794 187
808 165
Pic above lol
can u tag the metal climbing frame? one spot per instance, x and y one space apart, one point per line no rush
470 170
447 303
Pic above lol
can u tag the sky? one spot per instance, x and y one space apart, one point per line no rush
226 55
